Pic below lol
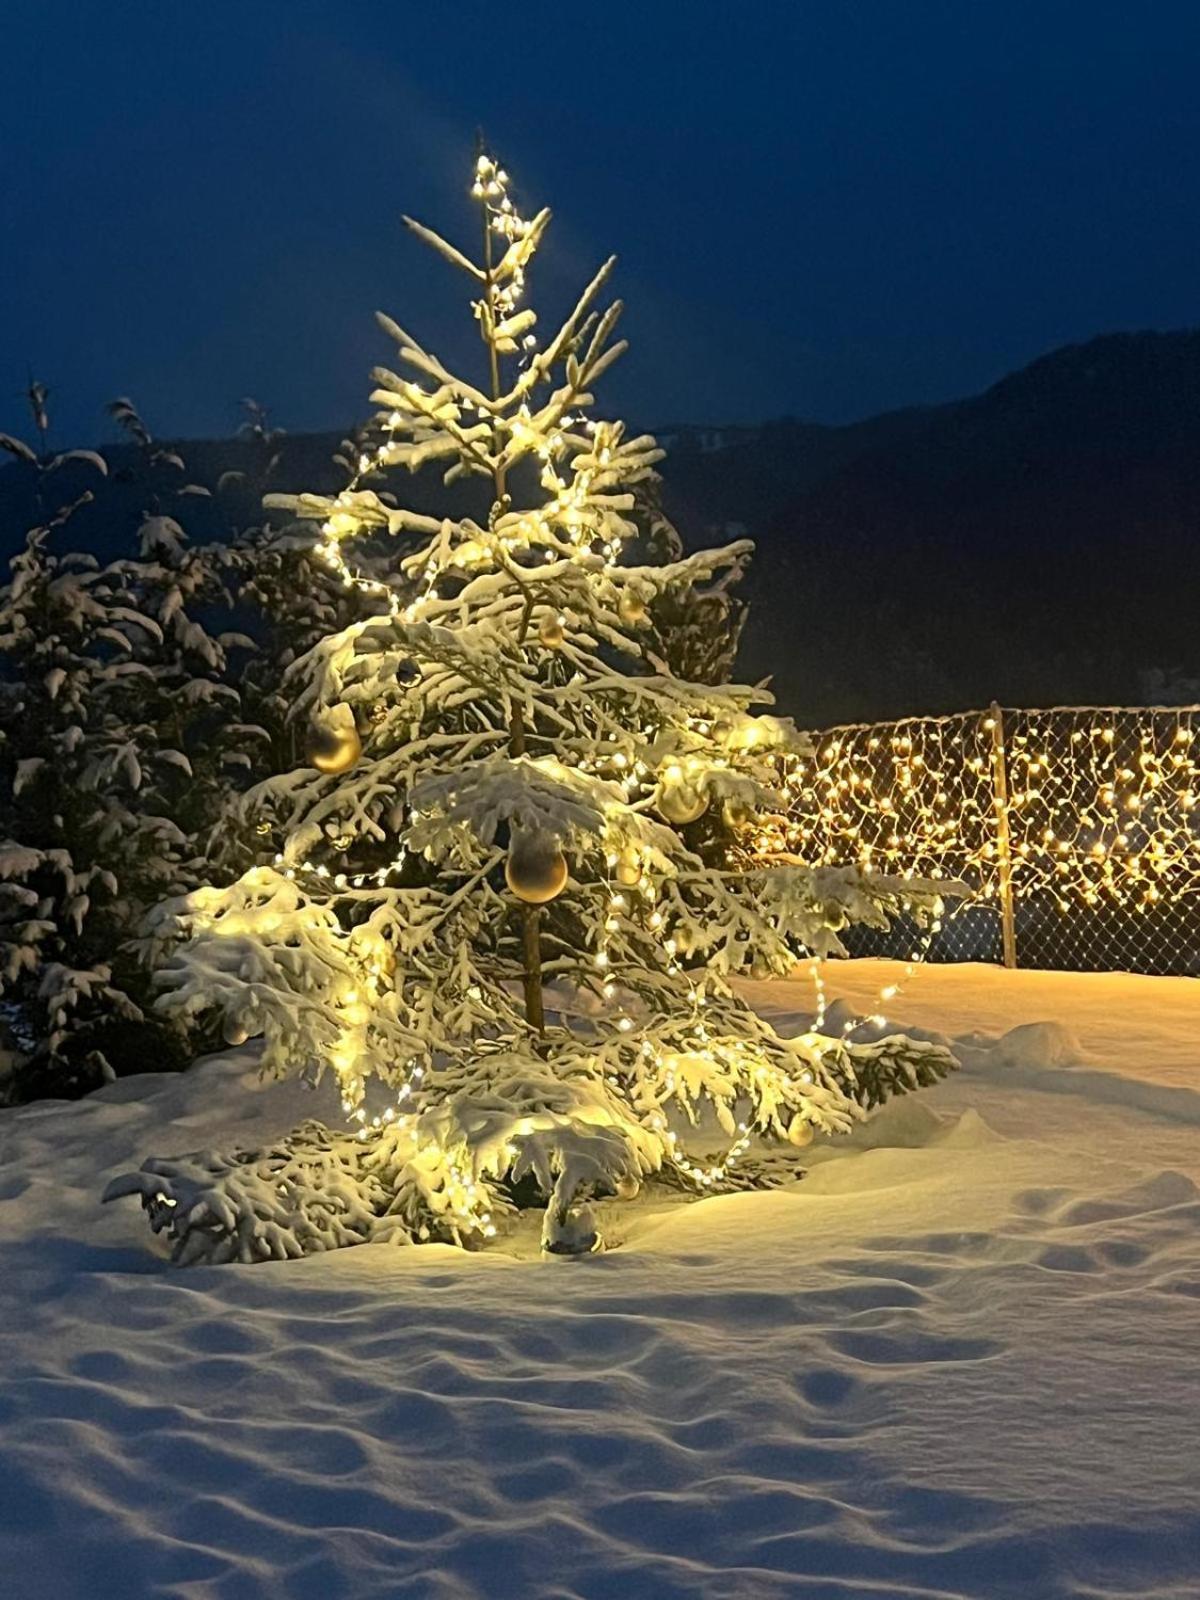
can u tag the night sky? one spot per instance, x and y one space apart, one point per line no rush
822 209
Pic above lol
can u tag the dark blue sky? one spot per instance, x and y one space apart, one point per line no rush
823 207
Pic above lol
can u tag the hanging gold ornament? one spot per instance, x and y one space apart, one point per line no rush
799 1132
550 631
333 744
629 869
536 869
679 800
631 608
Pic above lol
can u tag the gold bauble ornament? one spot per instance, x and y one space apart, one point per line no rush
536 869
800 1132
551 632
679 799
631 608
333 745
629 870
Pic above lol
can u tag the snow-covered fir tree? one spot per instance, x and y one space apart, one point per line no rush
119 744
511 888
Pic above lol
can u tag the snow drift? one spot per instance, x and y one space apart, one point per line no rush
958 1359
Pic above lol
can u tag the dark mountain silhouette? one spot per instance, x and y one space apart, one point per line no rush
1037 544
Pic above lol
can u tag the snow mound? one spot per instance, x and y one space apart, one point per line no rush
958 1359
911 1123
1040 1046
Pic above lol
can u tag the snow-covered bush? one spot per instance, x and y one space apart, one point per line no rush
137 697
120 738
510 785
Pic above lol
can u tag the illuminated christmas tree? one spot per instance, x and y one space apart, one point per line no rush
515 880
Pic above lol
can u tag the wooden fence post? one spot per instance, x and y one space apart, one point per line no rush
1003 839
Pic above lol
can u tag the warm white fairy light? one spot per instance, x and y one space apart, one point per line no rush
1100 807
468 1200
705 1177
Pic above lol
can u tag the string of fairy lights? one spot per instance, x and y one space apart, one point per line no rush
1079 809
1101 805
571 526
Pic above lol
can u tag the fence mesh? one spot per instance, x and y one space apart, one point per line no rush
1085 822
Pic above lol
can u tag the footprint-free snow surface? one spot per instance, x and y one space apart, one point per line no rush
961 1358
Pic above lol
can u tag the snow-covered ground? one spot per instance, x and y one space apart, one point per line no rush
962 1358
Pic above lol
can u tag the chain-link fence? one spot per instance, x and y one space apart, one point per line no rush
1077 830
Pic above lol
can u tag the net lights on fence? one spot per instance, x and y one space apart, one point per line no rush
1077 808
